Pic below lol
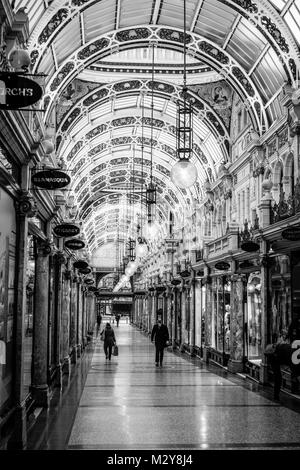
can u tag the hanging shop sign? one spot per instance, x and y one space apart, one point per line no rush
176 282
17 91
250 246
222 266
160 289
92 289
66 230
85 270
50 179
185 273
89 281
292 234
74 244
80 264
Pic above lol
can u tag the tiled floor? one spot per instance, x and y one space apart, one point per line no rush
128 403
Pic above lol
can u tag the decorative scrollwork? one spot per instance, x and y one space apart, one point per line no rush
74 114
52 25
275 33
214 52
67 68
243 80
247 5
133 34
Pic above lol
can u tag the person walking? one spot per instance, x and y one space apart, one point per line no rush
117 319
109 338
160 335
99 319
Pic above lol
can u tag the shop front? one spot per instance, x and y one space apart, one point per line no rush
221 310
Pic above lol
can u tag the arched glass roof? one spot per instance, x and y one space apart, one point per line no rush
97 57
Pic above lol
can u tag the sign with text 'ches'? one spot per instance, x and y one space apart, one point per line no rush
66 230
17 91
74 244
222 266
50 179
292 234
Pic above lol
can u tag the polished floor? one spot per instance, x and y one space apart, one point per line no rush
128 403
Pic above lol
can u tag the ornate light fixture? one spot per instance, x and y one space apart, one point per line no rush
151 228
184 173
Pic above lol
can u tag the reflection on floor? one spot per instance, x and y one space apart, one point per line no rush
128 403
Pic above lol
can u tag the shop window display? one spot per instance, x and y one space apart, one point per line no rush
222 314
253 321
280 292
29 313
7 297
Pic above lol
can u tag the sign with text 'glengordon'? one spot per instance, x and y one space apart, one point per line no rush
50 179
17 91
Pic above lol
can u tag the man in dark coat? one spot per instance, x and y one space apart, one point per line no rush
160 334
108 335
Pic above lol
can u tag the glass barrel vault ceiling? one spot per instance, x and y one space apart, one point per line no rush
253 46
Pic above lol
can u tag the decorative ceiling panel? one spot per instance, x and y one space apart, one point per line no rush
269 75
172 12
68 39
215 21
99 19
246 44
133 13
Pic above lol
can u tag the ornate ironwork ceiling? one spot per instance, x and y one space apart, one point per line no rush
96 57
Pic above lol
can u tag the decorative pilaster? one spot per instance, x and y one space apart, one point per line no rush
25 208
66 321
79 319
39 387
60 259
264 262
73 318
236 361
208 318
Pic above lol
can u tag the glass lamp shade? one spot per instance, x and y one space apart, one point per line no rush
141 249
129 271
151 230
184 173
132 265
19 58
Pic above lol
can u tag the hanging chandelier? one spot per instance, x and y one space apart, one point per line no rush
184 173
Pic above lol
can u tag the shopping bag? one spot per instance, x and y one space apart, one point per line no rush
270 349
102 334
116 350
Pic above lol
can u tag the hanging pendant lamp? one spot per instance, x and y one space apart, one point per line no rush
184 172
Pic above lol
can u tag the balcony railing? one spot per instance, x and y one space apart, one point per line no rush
286 207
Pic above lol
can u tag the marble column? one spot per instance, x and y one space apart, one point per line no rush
236 360
39 387
65 313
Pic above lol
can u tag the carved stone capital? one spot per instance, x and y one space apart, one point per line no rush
26 205
44 248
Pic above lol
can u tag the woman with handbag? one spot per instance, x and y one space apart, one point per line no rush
108 336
